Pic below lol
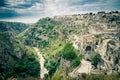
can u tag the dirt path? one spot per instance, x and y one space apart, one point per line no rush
41 61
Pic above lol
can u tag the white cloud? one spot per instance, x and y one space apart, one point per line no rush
22 19
15 2
59 7
36 7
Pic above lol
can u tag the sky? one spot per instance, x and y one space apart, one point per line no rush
29 11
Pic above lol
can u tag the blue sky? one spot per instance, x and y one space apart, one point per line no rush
29 11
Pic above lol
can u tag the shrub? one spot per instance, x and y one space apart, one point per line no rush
98 36
53 67
76 61
69 52
96 59
30 67
31 57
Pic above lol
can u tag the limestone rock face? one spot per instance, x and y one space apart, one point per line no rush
106 45
113 54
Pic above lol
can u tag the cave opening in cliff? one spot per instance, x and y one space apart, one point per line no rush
96 43
88 48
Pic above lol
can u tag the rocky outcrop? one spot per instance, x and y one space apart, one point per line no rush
113 55
107 45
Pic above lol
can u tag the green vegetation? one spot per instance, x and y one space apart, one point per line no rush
76 62
29 67
58 76
16 60
96 59
47 23
53 67
69 52
98 36
21 68
6 40
14 27
115 76
83 76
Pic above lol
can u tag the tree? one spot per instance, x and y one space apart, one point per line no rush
96 59
30 67
69 52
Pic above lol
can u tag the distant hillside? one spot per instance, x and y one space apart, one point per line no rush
14 27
